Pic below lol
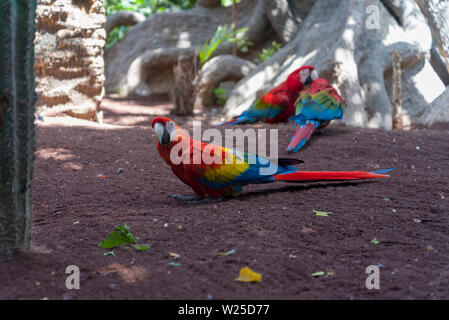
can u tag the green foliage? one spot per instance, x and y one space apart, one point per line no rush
228 3
220 95
145 7
115 35
119 236
221 35
242 42
269 52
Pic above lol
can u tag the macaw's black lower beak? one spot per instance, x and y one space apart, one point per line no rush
308 80
165 139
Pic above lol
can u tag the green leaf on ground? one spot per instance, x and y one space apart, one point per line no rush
139 247
121 235
322 213
375 241
109 253
322 273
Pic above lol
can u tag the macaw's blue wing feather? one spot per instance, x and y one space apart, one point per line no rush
318 106
258 111
261 110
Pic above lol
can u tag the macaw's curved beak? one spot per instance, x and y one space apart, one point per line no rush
309 80
165 138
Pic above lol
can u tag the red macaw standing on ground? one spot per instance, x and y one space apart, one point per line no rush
315 107
228 170
278 104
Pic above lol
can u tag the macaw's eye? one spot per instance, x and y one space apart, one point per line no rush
170 126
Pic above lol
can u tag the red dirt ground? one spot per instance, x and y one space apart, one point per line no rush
272 227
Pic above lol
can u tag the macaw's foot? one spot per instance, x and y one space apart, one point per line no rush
175 196
204 201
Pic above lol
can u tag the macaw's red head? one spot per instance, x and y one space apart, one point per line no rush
167 131
300 77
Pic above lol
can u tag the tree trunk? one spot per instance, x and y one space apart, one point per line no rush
437 13
397 92
146 67
219 69
282 19
234 26
17 99
437 111
183 94
122 18
338 38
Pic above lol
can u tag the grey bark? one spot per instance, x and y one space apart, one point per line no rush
437 14
219 69
422 82
282 19
437 111
428 18
122 18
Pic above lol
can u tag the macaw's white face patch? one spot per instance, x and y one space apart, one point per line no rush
304 74
159 130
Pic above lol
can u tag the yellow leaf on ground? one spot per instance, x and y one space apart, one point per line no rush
172 254
247 275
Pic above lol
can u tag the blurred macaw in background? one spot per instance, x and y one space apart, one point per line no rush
278 104
315 107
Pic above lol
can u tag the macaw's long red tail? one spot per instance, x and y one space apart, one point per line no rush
300 176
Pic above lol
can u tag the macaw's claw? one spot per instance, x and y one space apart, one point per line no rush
175 196
204 201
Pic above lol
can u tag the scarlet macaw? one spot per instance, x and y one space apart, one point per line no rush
278 104
314 109
228 170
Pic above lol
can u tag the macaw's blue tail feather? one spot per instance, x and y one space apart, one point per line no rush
239 120
384 170
302 135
